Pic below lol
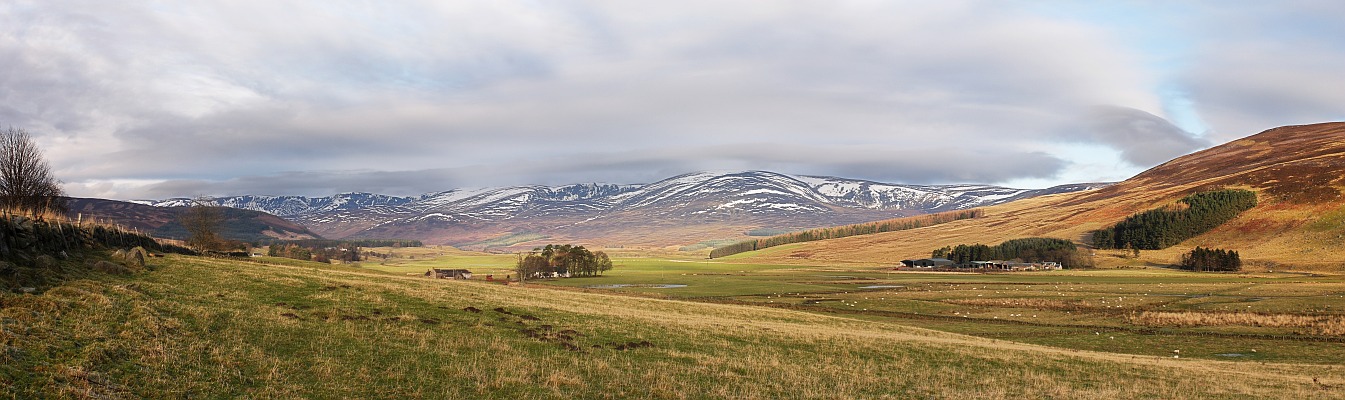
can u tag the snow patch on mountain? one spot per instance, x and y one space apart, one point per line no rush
713 195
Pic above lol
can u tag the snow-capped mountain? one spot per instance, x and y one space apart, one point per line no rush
690 204
286 206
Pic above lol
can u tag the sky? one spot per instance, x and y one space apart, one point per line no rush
152 100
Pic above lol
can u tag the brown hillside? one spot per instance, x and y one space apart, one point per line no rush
162 222
1299 164
1297 171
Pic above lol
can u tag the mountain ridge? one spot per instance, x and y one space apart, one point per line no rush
693 207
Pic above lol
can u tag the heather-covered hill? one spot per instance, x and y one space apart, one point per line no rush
1297 171
238 224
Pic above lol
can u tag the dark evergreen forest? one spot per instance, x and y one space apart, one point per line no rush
1165 227
1026 249
1203 259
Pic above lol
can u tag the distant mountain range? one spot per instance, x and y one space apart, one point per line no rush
679 210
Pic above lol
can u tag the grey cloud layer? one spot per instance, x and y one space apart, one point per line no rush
646 165
1142 138
311 98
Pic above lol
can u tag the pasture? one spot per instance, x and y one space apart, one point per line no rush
1142 310
194 327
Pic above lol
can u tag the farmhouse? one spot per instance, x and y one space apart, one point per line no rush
550 274
927 263
438 273
1013 265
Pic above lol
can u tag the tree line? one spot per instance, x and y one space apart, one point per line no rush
321 251
1164 227
1203 259
345 242
566 259
1062 251
868 228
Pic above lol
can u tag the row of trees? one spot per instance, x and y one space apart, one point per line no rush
386 242
562 260
1165 227
315 243
1203 259
1062 251
890 225
337 251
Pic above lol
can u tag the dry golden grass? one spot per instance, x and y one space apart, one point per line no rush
1315 324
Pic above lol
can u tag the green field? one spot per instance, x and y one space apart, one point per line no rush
193 327
1280 317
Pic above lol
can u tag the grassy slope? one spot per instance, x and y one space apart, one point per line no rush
209 328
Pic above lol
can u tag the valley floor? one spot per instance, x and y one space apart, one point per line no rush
196 327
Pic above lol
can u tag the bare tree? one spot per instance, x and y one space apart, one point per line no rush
202 220
26 183
529 265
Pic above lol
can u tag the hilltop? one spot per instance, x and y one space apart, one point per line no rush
1297 172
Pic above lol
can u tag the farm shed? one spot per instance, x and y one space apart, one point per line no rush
438 273
927 262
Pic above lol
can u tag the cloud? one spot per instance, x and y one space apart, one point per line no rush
1143 139
645 166
1262 65
278 97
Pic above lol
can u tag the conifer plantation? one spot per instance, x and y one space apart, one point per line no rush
1204 259
1164 227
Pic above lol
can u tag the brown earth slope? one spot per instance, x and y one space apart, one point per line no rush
1297 171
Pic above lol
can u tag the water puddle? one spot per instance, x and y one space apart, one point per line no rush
881 287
